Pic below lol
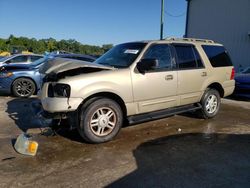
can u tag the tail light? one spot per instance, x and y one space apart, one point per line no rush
232 74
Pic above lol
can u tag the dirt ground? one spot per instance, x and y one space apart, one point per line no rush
180 151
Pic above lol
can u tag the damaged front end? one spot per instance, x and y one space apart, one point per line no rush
56 96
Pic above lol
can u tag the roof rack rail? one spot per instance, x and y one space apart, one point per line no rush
190 39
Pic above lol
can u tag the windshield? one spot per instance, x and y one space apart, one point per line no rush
121 56
5 58
246 71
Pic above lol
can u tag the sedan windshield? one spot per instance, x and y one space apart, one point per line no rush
121 56
5 58
246 71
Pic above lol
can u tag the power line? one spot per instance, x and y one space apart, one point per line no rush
175 16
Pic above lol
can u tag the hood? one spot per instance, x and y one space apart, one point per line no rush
14 67
59 65
242 78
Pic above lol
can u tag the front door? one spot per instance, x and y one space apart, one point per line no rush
157 88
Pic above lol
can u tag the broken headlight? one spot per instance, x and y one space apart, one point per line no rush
59 90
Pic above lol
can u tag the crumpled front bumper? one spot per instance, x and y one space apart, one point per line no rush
56 104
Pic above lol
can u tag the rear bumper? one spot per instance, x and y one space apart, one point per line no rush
228 91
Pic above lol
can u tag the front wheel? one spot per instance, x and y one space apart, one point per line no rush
100 121
210 103
23 87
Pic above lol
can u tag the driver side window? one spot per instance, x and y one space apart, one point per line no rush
18 59
160 52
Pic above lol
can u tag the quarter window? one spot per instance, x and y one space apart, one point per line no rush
217 56
162 53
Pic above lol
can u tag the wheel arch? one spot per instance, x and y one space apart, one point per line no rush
109 95
217 86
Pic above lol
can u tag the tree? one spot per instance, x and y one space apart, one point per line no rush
50 44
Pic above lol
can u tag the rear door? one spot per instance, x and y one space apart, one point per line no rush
191 73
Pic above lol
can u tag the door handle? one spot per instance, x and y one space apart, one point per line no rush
204 74
169 77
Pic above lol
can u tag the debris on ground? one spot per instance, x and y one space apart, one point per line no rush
24 145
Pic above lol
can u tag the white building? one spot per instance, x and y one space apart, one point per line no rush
224 21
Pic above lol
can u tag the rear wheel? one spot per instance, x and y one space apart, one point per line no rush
100 121
23 87
210 103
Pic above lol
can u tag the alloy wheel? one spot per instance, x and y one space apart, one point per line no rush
211 104
103 121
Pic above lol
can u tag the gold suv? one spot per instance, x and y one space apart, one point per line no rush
136 82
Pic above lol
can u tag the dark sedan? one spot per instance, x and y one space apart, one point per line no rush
242 85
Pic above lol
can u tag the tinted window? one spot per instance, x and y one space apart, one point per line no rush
217 55
187 57
198 58
162 53
34 58
19 59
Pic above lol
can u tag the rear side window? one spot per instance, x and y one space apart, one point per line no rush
34 58
188 57
217 56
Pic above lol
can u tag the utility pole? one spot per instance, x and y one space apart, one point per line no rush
162 18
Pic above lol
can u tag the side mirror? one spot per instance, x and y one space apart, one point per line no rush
146 64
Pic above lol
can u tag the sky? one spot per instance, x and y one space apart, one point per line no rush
93 22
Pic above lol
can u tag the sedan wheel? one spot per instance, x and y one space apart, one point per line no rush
23 87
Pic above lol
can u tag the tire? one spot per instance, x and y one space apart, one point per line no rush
23 87
210 103
100 121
